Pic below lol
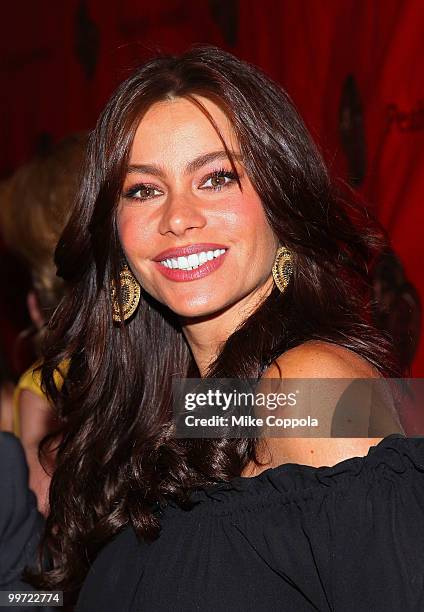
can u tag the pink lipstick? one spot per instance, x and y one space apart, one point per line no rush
190 262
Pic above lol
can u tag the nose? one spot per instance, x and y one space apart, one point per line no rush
181 213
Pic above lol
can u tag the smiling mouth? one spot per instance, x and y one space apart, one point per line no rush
193 261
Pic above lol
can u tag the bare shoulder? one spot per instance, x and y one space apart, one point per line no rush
316 359
319 359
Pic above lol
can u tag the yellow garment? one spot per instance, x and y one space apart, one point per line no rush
31 381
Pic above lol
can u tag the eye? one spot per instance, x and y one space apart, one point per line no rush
217 180
142 192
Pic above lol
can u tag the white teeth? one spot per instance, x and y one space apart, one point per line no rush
182 263
192 261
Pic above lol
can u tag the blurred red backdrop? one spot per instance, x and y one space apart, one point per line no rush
352 68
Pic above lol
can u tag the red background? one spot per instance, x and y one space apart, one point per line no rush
61 60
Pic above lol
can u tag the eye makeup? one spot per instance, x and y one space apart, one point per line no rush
147 190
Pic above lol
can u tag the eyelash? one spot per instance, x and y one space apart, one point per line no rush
221 172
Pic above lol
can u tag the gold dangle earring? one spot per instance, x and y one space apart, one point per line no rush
282 268
130 293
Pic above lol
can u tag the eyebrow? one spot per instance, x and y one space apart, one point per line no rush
191 166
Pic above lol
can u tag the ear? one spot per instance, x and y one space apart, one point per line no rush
34 309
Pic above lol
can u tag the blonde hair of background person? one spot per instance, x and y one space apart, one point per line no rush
35 204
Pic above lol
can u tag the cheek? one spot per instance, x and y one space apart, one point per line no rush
133 234
252 223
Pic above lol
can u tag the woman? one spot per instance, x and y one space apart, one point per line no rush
35 205
203 155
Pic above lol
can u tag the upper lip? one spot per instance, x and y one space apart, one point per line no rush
189 249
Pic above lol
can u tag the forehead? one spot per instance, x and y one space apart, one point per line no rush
177 127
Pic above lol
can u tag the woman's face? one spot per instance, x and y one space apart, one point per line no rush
193 239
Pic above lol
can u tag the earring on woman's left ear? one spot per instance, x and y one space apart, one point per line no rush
130 293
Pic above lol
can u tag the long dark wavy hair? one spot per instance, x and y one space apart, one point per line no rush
118 457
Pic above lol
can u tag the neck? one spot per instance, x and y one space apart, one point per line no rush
206 335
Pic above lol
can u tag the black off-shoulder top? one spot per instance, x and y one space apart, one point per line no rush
346 538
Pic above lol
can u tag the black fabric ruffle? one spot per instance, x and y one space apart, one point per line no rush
395 454
343 538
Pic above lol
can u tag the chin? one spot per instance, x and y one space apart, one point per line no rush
199 310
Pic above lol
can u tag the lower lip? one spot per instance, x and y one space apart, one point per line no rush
178 275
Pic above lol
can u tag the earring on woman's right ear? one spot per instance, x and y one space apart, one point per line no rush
282 268
130 292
